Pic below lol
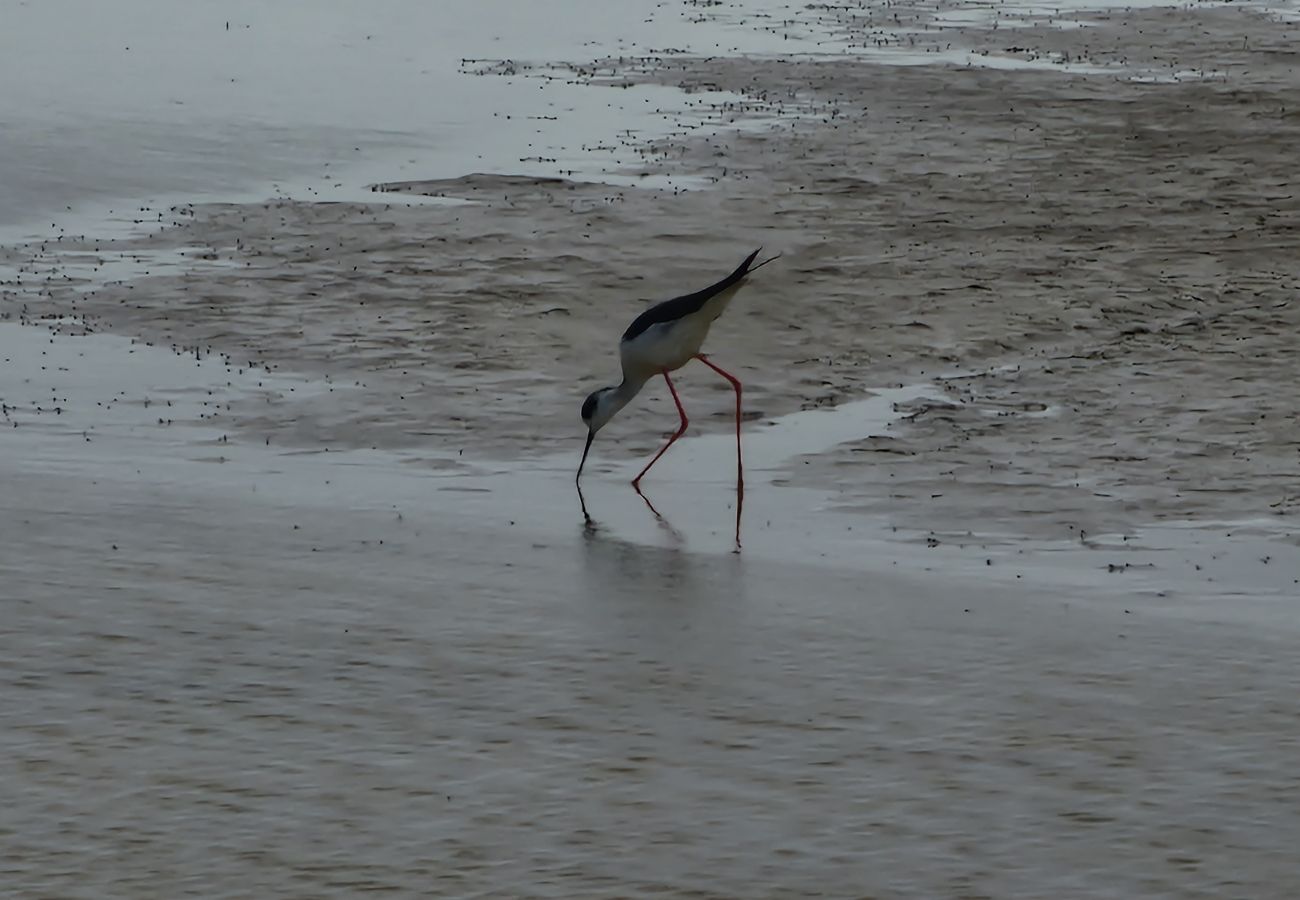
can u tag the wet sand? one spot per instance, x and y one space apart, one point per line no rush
312 611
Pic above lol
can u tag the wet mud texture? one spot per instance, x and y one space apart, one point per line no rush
1103 267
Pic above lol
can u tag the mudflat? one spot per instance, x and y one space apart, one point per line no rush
299 598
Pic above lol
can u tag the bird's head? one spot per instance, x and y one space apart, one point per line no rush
599 407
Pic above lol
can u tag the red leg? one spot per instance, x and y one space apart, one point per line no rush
680 431
740 466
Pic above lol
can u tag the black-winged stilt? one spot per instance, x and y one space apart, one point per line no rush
662 339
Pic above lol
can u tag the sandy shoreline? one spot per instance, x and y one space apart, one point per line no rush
298 600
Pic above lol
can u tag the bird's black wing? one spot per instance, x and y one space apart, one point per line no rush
680 307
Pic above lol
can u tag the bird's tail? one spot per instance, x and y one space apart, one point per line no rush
736 277
748 268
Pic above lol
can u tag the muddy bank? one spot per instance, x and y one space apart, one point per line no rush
1101 267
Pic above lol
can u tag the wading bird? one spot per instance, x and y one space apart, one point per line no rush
662 339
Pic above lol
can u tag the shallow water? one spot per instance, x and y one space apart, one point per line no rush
149 104
233 670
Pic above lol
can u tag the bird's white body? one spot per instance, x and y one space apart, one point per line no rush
667 346
662 339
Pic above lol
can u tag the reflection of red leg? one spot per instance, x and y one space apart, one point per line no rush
680 431
740 466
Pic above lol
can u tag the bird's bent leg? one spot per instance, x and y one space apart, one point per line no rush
680 431
740 466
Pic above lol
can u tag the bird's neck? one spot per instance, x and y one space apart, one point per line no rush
614 399
630 387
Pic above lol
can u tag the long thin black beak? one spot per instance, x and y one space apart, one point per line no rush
591 436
